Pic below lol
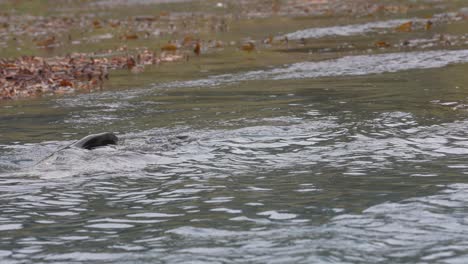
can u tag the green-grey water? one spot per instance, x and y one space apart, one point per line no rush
356 158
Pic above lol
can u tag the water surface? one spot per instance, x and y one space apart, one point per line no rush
353 159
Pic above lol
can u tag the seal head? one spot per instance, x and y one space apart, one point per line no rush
96 140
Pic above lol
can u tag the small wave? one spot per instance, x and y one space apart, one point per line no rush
425 229
374 144
348 30
346 66
431 228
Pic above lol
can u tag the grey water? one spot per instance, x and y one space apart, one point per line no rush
314 162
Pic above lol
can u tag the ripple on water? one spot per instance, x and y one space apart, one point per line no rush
345 66
110 226
349 30
8 227
86 256
277 215
421 229
390 137
153 215
5 253
234 189
414 228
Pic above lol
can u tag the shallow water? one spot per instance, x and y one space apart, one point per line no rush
354 159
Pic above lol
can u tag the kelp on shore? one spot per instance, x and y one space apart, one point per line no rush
177 34
30 76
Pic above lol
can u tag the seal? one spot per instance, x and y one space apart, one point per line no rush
89 142
97 140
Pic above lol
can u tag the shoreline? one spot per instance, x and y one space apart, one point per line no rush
177 35
31 76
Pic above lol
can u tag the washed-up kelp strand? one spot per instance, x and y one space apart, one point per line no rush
33 76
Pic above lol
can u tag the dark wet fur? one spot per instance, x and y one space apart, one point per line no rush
90 142
94 141
182 137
